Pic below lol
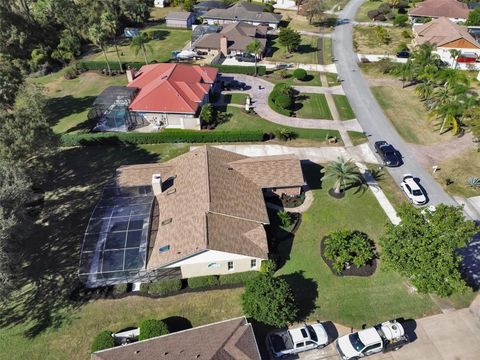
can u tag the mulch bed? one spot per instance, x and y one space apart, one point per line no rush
364 271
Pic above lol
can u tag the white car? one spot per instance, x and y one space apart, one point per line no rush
413 191
285 343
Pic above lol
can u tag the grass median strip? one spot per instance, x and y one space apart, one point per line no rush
343 106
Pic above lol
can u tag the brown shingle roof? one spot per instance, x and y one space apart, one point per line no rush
441 31
230 339
214 201
178 15
243 11
437 8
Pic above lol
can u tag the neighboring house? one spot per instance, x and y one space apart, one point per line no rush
171 95
201 213
232 39
447 36
286 4
180 19
243 11
455 10
161 3
229 339
204 6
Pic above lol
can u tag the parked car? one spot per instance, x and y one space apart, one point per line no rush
383 337
403 54
233 85
389 155
293 341
413 191
245 57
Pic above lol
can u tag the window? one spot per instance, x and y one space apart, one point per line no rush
213 265
164 248
253 263
300 344
230 265
371 347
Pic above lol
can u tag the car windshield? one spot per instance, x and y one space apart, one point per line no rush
417 192
313 334
356 342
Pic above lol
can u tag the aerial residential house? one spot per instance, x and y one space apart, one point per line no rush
447 36
232 39
160 3
180 19
229 339
243 11
455 10
204 6
201 213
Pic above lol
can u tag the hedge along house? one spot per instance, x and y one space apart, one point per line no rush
202 213
448 36
171 95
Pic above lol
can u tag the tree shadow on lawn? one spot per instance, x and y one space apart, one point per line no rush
305 49
305 292
177 323
61 107
312 174
50 255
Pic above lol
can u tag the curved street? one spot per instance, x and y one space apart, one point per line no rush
369 114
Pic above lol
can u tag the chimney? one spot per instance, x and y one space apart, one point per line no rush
224 45
130 74
157 184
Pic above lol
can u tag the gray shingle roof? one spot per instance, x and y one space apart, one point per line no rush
243 12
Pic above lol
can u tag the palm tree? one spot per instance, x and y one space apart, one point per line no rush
343 171
452 78
140 42
109 24
454 53
98 36
405 71
424 91
255 48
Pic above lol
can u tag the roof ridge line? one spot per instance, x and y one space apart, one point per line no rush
233 216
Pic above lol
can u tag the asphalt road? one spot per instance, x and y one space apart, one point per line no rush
369 114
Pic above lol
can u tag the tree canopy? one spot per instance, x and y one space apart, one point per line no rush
473 18
289 38
423 247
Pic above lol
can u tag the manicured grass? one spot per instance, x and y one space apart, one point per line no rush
390 187
332 79
327 50
357 137
70 100
240 120
313 106
312 79
407 114
235 98
368 43
343 107
305 54
458 170
352 301
165 42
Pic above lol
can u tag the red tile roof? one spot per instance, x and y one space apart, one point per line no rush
177 88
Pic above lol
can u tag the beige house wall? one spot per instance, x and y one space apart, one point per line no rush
220 267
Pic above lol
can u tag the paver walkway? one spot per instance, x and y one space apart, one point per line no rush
299 209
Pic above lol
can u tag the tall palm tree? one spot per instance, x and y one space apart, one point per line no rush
140 42
452 78
424 91
109 23
98 36
454 53
255 48
344 172
405 71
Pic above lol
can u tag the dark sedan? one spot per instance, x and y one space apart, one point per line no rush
390 156
403 54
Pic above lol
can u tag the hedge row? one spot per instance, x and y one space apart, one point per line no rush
163 287
238 69
152 328
237 278
114 65
203 281
103 340
165 136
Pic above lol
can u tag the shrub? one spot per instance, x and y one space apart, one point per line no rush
344 247
384 8
165 136
164 287
278 90
283 101
406 34
269 300
473 182
283 74
372 14
203 281
103 340
386 65
70 73
381 17
285 134
400 20
390 16
100 65
152 328
119 289
237 278
285 219
237 69
268 266
300 74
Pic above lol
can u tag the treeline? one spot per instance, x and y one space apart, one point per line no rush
37 33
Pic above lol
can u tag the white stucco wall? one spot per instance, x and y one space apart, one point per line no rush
445 55
173 121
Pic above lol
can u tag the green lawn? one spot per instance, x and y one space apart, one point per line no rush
305 54
343 107
368 43
352 301
312 79
332 79
235 98
159 49
327 51
240 120
70 100
357 137
313 106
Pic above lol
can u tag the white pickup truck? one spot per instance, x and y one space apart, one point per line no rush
383 337
282 344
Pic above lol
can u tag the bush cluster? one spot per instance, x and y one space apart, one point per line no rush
165 136
300 74
278 91
103 340
284 101
163 287
384 12
100 65
119 289
203 281
237 69
152 328
237 278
